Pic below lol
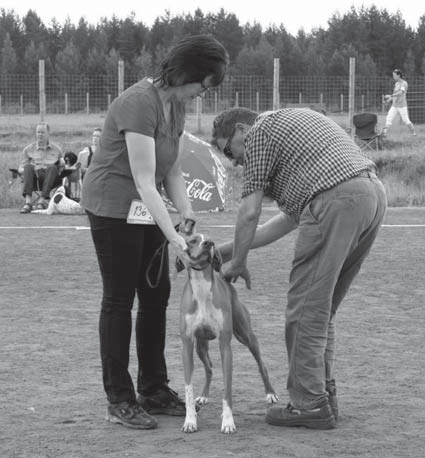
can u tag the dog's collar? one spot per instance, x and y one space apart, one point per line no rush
207 263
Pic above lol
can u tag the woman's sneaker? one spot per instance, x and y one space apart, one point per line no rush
131 415
164 402
318 418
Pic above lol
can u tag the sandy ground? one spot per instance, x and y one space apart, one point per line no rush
53 404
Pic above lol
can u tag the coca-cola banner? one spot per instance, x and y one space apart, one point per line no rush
204 174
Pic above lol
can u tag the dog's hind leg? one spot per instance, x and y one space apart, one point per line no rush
190 423
242 330
202 351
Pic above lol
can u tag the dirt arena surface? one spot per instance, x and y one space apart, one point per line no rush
53 404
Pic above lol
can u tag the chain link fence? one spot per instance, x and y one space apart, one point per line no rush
63 94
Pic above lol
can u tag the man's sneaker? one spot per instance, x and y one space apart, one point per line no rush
164 402
331 389
130 414
319 418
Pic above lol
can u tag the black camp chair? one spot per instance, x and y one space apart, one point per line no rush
366 134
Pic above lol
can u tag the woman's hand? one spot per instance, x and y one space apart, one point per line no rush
179 245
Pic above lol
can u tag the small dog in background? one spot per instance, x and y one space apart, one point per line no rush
210 309
71 173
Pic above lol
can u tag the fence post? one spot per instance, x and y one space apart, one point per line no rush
342 103
199 113
0 104
88 102
120 77
215 102
276 101
257 101
22 105
236 99
41 89
66 103
351 94
109 99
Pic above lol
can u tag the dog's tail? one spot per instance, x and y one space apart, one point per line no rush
205 332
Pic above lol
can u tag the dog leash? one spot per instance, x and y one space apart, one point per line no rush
185 228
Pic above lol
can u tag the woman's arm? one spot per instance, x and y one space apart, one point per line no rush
176 189
141 153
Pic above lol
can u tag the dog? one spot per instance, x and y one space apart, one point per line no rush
210 309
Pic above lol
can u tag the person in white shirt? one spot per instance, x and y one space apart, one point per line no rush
85 156
399 103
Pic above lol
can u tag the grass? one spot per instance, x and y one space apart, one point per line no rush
401 162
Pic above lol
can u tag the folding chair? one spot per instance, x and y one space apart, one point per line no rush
366 134
18 177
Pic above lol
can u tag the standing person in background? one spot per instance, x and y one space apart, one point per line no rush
137 154
85 156
399 103
326 187
41 165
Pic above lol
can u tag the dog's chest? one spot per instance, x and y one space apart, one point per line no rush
205 313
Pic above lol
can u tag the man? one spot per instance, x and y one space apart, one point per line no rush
85 156
40 166
326 187
399 103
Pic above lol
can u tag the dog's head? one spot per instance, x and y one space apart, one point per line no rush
70 159
202 253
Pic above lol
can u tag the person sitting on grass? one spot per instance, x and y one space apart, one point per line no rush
40 167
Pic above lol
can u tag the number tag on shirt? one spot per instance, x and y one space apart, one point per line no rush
139 214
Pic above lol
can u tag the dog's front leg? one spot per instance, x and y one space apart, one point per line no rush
227 422
202 350
190 423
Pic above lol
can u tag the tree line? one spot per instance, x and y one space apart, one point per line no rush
379 41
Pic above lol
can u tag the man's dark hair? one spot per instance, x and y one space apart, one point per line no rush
398 72
224 124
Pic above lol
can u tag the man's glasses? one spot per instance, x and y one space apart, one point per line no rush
227 150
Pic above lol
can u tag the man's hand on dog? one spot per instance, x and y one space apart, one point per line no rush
232 273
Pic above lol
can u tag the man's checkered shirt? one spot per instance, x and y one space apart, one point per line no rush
294 154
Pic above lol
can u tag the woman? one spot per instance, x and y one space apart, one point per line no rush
137 154
85 156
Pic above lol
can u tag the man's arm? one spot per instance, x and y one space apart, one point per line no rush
246 225
272 230
26 159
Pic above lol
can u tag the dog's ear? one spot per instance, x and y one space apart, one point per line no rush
179 265
216 259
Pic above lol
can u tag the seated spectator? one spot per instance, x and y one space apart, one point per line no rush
71 174
85 156
41 165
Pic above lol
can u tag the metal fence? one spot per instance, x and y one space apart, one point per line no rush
20 94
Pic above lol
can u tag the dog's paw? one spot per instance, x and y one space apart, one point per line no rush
227 422
228 427
271 398
190 427
201 401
